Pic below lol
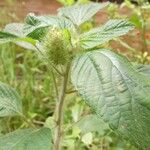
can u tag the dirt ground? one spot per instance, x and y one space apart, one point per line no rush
22 7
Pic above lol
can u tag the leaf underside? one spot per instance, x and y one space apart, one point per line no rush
15 29
27 139
10 102
117 92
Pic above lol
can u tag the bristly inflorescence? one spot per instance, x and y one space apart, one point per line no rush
57 46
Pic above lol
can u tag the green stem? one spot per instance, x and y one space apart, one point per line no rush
55 85
59 110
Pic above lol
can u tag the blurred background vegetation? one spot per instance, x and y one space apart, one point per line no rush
21 69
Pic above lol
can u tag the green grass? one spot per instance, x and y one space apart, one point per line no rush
22 70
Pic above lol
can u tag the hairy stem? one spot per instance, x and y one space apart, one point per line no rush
59 110
55 85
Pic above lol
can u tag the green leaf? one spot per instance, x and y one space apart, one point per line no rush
91 123
25 42
143 69
35 28
10 102
6 37
26 45
13 32
27 139
112 29
78 14
15 29
117 92
37 25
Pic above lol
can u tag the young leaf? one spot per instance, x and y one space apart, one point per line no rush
27 139
10 102
78 14
100 35
117 92
36 25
